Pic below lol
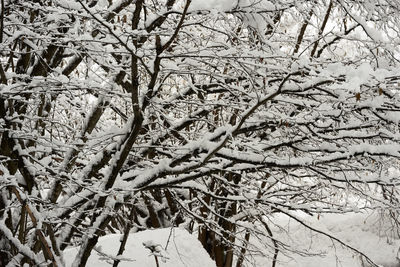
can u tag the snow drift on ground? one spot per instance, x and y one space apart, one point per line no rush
368 233
183 250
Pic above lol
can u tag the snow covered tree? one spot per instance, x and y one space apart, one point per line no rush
118 116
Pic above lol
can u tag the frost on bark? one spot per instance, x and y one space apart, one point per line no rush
119 116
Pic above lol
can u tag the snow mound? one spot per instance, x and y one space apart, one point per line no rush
183 250
370 234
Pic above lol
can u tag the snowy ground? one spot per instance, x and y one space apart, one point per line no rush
367 233
183 250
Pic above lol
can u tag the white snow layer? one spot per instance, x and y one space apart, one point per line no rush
183 250
370 234
367 233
